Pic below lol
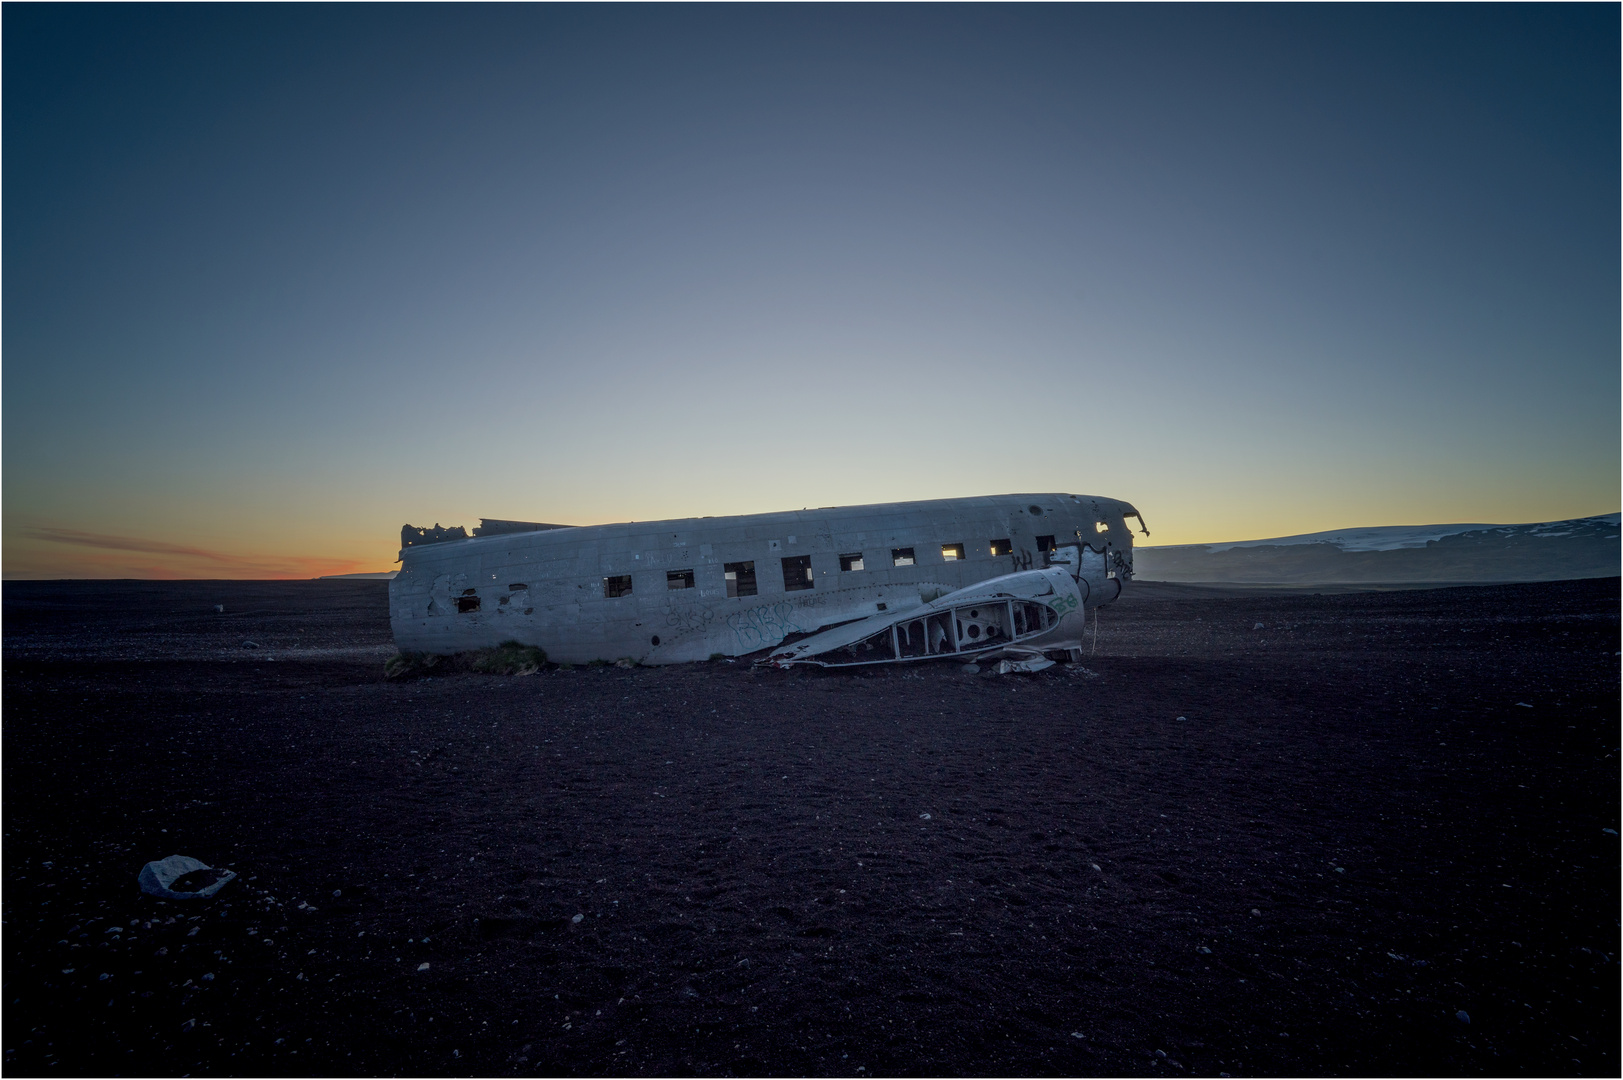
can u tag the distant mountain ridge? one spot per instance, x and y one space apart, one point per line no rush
1399 554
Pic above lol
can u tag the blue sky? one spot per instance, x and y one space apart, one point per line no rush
280 278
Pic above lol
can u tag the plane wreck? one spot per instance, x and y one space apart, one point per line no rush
997 577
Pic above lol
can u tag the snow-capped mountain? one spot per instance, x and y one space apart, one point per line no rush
1399 554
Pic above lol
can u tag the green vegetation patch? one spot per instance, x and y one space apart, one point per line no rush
508 658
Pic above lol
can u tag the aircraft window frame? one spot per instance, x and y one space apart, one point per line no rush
902 557
616 586
953 553
797 573
468 602
1045 544
676 580
1001 548
740 578
850 563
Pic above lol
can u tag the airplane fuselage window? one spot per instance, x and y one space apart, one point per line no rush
901 556
619 585
952 552
679 579
851 562
740 578
797 573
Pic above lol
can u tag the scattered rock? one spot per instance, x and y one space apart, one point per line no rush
1463 1017
577 918
181 877
422 967
924 817
1259 626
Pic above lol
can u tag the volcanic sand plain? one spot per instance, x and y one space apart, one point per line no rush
1251 833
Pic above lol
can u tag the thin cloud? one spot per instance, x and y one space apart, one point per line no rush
127 543
199 559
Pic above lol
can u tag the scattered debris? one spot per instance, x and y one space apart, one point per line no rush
1036 663
1463 1017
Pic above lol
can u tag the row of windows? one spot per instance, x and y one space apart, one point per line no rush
797 569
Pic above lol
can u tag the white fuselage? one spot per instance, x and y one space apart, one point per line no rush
680 590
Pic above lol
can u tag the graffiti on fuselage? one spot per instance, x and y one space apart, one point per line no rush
758 627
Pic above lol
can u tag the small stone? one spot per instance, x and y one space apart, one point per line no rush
208 976
105 976
1182 719
924 817
422 967
1341 869
338 892
1097 867
188 1025
1259 626
1254 911
1463 1017
577 918
1203 950
1077 1035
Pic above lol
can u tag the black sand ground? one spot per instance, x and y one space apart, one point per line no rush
1302 848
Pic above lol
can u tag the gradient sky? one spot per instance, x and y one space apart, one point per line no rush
280 278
